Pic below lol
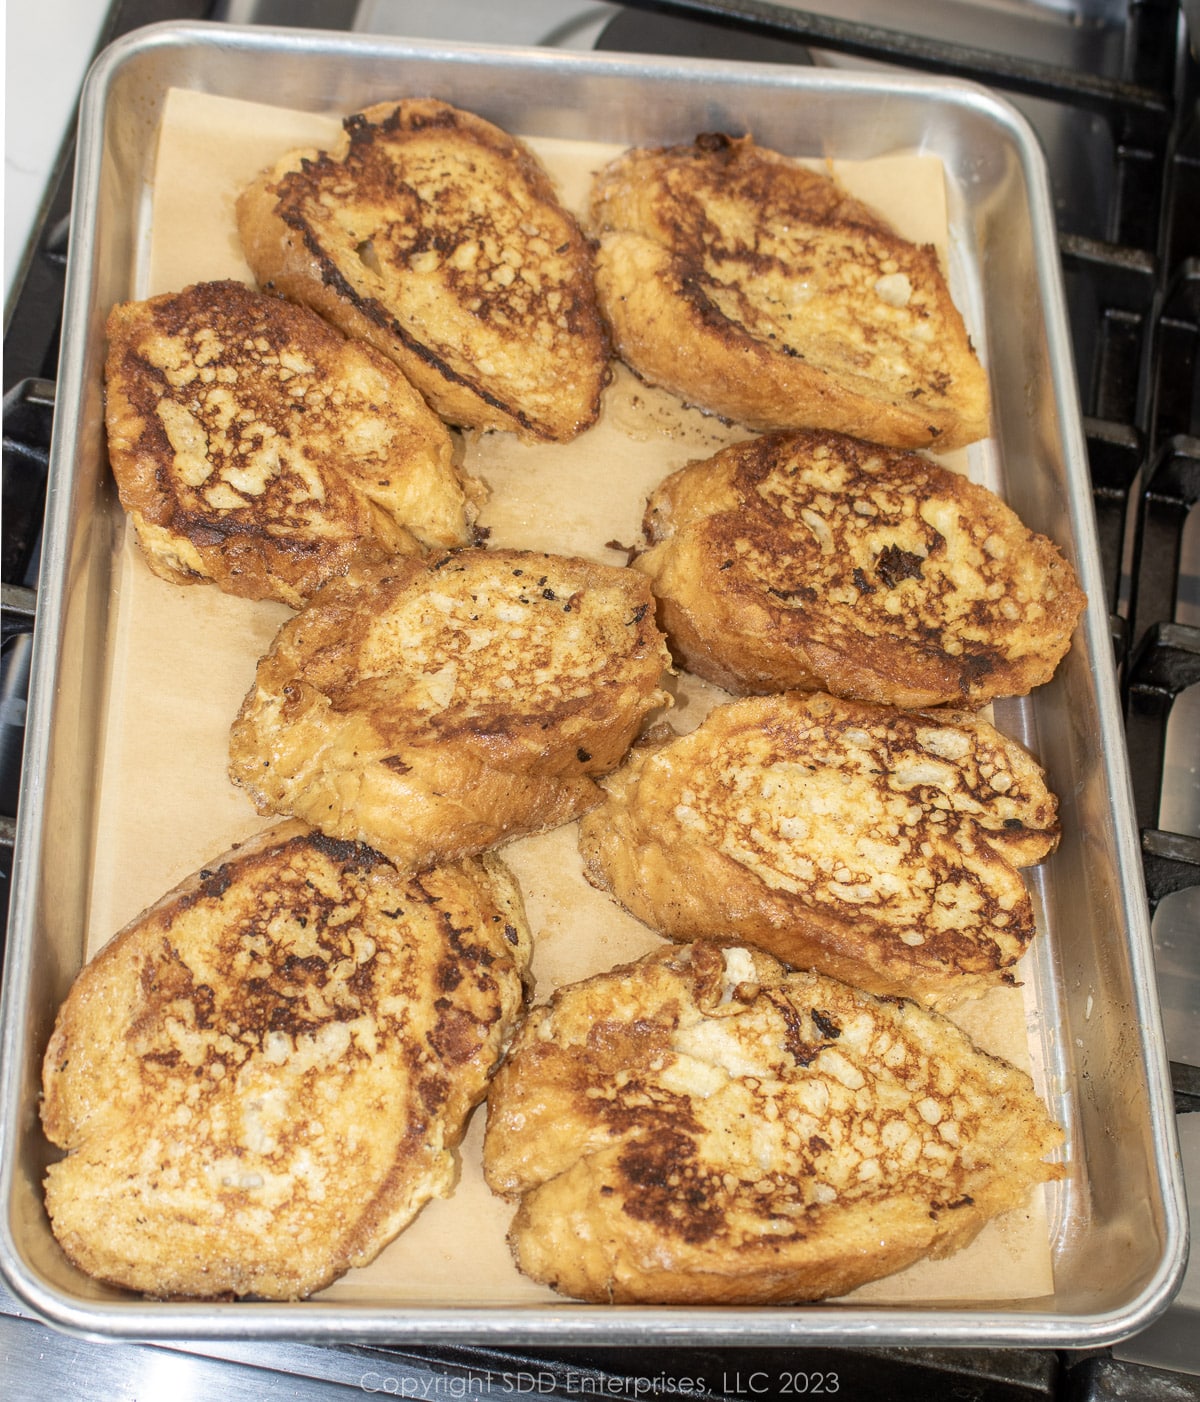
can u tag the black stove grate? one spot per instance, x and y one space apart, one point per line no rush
1133 291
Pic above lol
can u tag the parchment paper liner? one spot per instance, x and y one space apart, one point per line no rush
182 658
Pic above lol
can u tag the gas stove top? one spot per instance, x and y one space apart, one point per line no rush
1111 88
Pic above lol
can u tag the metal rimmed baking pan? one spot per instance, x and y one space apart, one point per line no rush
1117 1221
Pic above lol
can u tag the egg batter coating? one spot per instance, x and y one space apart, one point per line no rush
260 1081
440 239
706 1127
814 560
876 845
437 707
755 288
257 448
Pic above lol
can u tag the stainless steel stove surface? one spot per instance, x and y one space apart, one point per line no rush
1112 90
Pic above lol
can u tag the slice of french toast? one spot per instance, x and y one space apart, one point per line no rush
707 1127
755 288
436 707
256 447
261 1080
817 561
440 239
877 845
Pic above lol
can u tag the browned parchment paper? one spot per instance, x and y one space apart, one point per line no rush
182 658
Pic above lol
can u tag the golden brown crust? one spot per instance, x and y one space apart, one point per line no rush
815 560
439 238
260 1081
436 707
254 446
754 288
705 1127
879 846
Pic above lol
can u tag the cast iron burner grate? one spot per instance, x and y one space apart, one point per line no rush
1132 276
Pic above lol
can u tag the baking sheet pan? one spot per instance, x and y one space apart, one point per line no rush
1114 1228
